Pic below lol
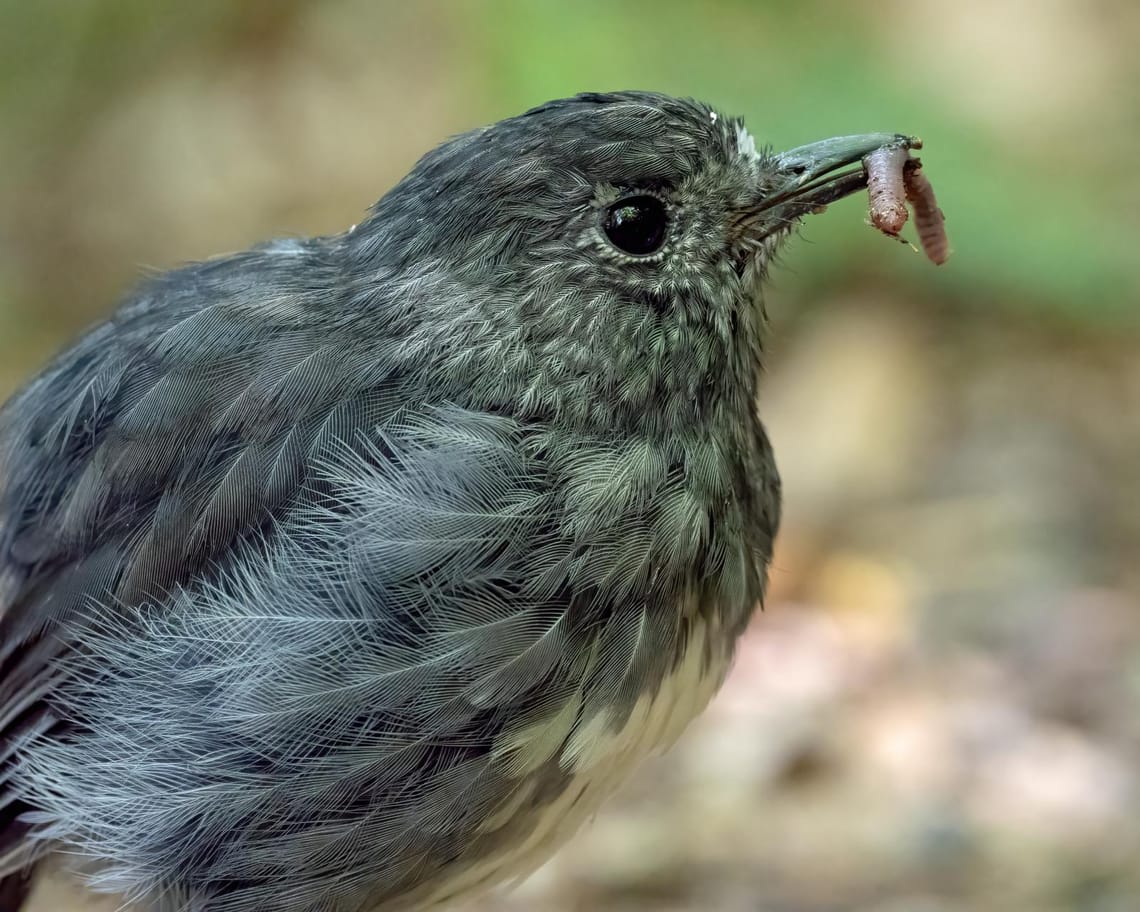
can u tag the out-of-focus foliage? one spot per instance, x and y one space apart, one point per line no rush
940 708
1028 111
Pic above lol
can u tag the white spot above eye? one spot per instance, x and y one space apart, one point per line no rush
712 116
746 145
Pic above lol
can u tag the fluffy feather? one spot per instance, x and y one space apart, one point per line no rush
353 573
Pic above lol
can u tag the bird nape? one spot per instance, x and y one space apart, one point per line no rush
352 573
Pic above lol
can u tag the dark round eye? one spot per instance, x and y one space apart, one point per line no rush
637 224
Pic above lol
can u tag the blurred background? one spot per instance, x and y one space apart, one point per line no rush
937 710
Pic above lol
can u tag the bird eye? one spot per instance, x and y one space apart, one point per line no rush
637 224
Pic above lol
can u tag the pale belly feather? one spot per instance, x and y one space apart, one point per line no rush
598 758
595 756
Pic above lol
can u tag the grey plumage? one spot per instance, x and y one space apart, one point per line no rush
329 569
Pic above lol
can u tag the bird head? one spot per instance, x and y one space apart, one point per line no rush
600 257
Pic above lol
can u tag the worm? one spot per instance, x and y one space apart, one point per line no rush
929 221
884 169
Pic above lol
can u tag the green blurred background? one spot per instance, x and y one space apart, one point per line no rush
938 709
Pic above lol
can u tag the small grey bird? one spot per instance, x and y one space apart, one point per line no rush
352 573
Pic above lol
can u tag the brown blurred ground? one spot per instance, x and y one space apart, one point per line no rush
937 712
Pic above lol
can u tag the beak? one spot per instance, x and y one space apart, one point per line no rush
809 177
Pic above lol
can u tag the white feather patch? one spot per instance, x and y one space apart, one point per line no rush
746 145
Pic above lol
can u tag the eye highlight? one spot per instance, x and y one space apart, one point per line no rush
637 225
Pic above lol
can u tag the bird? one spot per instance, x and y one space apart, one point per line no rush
353 573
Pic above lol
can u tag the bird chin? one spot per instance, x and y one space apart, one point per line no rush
763 252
